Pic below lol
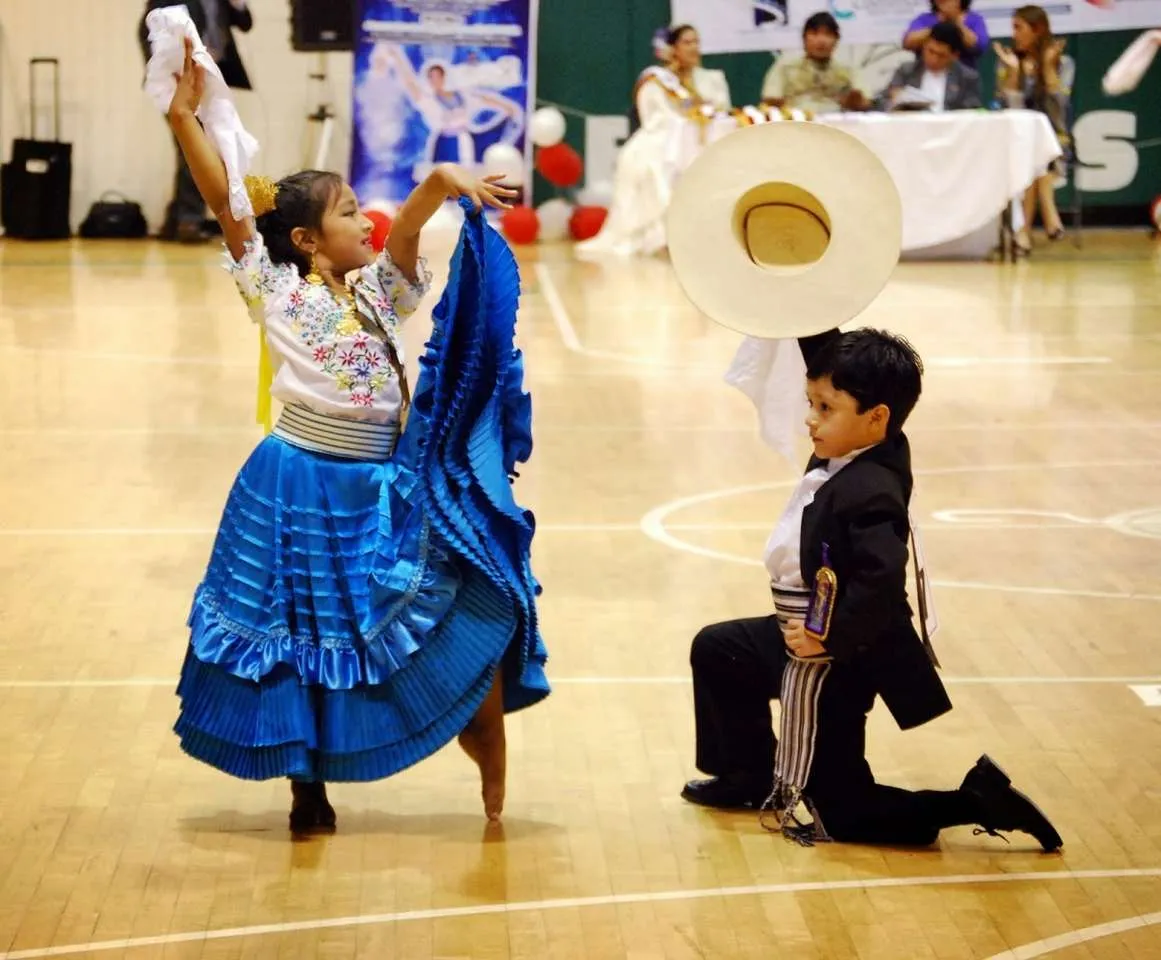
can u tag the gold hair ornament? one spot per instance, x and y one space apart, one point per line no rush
263 192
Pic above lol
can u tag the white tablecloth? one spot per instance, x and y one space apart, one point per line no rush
956 171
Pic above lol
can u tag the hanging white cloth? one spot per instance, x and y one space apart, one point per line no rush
168 28
772 373
1126 73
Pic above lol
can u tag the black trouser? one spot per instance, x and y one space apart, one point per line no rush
186 205
737 671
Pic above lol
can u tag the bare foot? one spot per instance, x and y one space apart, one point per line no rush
484 741
487 746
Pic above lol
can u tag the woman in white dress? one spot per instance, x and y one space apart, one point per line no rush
668 99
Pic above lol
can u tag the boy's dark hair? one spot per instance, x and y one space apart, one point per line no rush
874 367
302 200
948 33
821 21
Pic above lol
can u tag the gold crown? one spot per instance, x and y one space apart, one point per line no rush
263 192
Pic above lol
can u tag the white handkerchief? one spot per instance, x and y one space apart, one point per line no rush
772 373
168 28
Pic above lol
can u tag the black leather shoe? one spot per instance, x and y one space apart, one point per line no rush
1002 808
311 812
725 794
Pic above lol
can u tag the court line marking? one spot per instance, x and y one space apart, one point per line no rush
584 428
562 320
210 531
180 361
574 903
654 527
1041 948
936 523
132 431
118 683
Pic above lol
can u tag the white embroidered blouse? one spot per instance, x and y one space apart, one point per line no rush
325 358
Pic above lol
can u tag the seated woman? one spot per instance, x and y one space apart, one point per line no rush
1036 75
973 30
666 98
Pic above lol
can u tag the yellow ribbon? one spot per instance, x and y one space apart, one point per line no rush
265 379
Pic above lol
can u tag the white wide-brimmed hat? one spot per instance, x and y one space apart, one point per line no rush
784 229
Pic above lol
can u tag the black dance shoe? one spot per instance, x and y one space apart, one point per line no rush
1001 808
726 793
310 811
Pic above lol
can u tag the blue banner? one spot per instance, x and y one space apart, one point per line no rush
438 81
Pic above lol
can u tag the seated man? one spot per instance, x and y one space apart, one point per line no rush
814 82
937 75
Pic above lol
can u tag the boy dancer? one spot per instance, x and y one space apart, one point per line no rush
842 633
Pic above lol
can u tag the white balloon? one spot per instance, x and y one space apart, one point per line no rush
383 206
554 217
547 127
599 194
504 160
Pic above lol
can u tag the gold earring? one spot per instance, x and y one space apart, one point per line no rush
313 277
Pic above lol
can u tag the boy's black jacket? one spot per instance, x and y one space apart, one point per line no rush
860 514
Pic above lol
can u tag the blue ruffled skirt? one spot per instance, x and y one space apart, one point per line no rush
354 614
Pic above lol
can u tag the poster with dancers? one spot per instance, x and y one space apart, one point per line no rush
733 26
439 81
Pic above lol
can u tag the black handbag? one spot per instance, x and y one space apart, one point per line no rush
36 186
113 217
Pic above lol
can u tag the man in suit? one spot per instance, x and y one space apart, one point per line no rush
938 73
215 21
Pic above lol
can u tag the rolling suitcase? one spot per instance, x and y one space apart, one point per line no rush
35 187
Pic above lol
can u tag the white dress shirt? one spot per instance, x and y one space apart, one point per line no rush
934 85
782 559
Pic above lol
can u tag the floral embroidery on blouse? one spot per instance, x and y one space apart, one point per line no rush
349 344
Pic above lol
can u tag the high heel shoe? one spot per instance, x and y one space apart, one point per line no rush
1021 244
1054 235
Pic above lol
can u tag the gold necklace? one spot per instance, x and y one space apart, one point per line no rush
350 324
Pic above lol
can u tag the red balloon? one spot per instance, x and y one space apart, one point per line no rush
560 165
586 222
521 224
382 227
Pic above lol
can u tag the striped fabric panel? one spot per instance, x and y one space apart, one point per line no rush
802 681
337 437
793 605
801 688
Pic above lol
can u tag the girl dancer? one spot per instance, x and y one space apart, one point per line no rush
369 596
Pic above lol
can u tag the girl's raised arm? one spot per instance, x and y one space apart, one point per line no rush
208 171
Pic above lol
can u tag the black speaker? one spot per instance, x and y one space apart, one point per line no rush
322 25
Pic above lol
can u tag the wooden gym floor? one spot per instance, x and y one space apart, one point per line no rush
127 379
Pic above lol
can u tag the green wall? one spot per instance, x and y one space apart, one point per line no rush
591 52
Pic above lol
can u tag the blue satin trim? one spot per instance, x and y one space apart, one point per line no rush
291 580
